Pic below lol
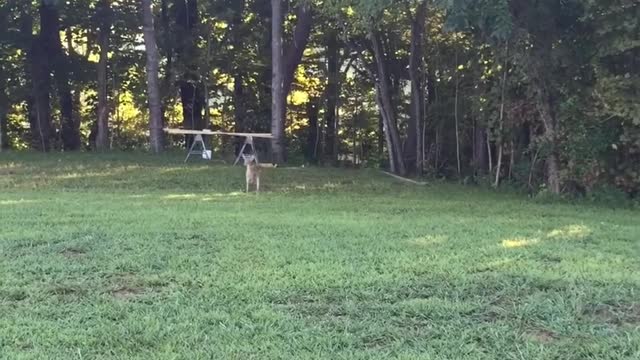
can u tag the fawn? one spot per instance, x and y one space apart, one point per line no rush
253 171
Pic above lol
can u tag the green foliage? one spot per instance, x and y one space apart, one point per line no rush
134 256
489 17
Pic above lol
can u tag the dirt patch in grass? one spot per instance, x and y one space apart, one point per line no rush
129 286
73 253
615 314
541 336
127 292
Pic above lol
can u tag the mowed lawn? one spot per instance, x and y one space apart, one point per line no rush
142 257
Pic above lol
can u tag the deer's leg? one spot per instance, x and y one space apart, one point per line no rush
257 184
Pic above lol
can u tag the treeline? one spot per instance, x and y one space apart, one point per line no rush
540 94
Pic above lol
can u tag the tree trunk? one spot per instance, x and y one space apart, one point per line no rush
552 163
167 90
380 136
104 14
385 103
413 154
331 143
187 51
4 110
278 97
39 72
295 50
192 98
480 149
501 118
387 133
544 105
455 114
239 109
153 86
239 113
50 37
312 135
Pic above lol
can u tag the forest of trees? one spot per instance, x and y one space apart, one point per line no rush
538 94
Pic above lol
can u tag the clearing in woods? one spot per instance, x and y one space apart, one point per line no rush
140 257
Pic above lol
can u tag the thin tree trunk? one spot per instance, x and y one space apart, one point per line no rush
167 90
455 111
416 73
498 164
205 87
4 110
102 138
386 107
512 159
278 97
501 118
153 86
331 140
436 161
312 135
489 155
239 111
381 133
386 132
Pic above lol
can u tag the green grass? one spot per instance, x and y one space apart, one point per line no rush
141 257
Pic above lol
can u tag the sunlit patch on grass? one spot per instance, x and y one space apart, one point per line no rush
179 196
93 174
213 197
138 196
518 242
428 240
202 197
17 202
577 232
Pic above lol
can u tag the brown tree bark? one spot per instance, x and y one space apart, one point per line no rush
187 52
333 88
549 123
39 74
294 51
414 154
239 101
167 90
153 86
480 160
104 15
545 108
278 96
311 152
50 40
4 110
385 103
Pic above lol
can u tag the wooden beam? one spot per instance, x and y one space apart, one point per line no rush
209 132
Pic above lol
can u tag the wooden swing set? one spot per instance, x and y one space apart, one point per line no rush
199 147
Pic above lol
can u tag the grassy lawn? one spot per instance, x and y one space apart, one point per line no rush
140 257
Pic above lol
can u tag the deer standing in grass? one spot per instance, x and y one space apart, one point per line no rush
253 171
